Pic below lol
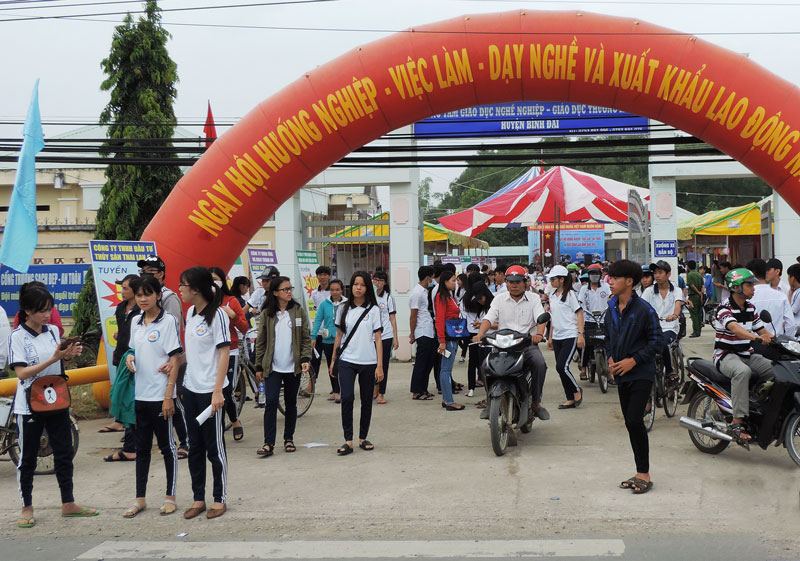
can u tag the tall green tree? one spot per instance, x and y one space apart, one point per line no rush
141 79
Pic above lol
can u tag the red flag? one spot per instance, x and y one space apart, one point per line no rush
210 130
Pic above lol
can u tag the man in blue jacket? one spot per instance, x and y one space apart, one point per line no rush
633 338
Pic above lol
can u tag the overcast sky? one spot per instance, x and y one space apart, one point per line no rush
235 68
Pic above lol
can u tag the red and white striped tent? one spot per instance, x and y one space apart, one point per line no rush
560 195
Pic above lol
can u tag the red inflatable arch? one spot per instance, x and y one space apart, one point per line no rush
713 94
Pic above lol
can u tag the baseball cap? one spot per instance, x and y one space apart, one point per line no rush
269 273
152 261
558 271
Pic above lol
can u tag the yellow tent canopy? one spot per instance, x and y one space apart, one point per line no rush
735 221
432 233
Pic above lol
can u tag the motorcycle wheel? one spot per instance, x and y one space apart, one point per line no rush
791 439
498 427
526 428
45 464
702 408
650 416
592 372
602 372
672 396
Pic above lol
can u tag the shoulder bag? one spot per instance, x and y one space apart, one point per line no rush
456 328
49 394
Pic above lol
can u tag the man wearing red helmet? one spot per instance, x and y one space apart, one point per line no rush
518 310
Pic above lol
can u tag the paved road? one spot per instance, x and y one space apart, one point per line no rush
433 476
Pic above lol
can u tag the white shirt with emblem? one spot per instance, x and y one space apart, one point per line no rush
594 300
152 346
28 348
418 300
664 306
361 348
564 314
203 343
386 304
282 355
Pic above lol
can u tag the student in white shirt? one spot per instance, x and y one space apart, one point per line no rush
423 334
34 351
666 299
5 331
793 274
389 341
567 332
318 296
593 297
359 350
207 352
155 357
774 301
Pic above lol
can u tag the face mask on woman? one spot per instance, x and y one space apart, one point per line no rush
218 283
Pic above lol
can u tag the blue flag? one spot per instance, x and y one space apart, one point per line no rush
20 234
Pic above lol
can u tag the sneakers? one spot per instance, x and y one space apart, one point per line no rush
461 360
471 393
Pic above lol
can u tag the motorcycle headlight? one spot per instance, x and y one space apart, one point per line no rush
506 341
791 346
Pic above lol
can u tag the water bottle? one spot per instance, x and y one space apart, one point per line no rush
262 396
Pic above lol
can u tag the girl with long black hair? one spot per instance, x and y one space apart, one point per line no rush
34 351
238 325
389 340
359 349
474 306
446 308
207 352
155 360
567 332
283 352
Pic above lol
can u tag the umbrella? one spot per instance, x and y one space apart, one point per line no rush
560 195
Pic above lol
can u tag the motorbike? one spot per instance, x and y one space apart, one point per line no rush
508 386
598 364
774 405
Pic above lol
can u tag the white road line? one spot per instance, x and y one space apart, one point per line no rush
356 549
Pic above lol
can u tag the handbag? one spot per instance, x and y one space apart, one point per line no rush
456 329
49 394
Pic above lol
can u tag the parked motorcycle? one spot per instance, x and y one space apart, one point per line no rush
508 386
598 364
774 405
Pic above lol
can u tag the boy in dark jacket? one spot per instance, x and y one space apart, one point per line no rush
633 338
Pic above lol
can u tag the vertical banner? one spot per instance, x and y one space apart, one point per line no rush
112 261
64 282
307 262
534 246
638 229
260 259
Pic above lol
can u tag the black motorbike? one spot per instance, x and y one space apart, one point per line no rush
774 405
508 386
598 362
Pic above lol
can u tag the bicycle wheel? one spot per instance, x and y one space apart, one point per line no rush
671 398
305 394
677 363
650 410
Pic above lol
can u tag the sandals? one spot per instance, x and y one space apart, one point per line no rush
165 511
454 407
85 512
133 510
182 454
104 430
266 451
739 432
637 485
366 445
26 522
238 433
421 397
381 401
288 446
118 456
344 449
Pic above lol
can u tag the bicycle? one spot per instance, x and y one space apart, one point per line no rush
9 443
598 365
245 376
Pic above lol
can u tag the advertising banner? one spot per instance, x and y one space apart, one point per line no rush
638 229
530 117
577 245
260 259
307 262
63 281
112 261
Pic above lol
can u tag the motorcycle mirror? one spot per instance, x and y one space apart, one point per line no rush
544 318
765 316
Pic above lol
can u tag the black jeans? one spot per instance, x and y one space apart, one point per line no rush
633 398
474 362
564 349
327 350
230 406
272 391
533 360
29 433
205 440
150 421
387 356
424 361
348 373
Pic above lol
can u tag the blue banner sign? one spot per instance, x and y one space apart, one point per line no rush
530 117
63 281
577 245
665 248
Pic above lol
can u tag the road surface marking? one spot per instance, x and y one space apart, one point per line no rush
319 549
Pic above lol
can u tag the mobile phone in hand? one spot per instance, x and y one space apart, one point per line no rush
68 341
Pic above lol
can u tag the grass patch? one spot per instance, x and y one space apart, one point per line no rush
84 405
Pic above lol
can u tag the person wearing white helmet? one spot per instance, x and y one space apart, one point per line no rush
567 332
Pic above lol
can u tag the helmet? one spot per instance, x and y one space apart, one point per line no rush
558 271
595 267
572 267
584 276
269 273
736 278
660 264
515 273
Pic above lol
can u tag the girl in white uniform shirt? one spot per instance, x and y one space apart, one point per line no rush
155 360
361 358
567 332
33 351
389 324
207 352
